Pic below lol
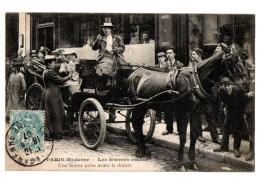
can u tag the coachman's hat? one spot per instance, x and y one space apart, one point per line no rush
107 24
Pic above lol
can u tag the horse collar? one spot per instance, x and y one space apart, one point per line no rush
196 85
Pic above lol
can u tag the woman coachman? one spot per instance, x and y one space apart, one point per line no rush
111 48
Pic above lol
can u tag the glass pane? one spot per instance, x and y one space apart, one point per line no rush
49 38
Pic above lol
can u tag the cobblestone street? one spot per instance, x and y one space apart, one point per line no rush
117 153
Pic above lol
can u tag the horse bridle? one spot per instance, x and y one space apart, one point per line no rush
225 59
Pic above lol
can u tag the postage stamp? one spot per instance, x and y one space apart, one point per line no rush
25 138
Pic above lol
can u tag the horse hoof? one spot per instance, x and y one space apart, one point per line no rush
181 168
194 166
142 154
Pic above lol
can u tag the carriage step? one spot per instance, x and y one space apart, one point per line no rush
103 93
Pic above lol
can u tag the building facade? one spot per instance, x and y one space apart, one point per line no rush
184 31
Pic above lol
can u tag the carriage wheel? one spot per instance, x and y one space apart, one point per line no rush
92 123
148 126
34 97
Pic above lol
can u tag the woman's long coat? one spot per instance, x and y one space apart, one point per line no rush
15 87
106 58
52 102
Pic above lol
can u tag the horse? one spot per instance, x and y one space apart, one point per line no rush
194 86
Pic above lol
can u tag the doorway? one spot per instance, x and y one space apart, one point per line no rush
46 37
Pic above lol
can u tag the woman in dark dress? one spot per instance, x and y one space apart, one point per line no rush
52 102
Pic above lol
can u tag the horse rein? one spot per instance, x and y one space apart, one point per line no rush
230 74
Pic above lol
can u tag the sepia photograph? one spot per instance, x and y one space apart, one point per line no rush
142 92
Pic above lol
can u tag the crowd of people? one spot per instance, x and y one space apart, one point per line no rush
230 111
220 113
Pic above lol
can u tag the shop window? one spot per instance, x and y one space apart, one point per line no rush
45 30
88 30
46 37
135 25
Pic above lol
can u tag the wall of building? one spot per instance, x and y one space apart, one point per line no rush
11 34
24 37
182 31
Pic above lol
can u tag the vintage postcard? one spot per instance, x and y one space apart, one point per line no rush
129 92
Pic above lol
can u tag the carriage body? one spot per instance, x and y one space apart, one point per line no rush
89 105
89 84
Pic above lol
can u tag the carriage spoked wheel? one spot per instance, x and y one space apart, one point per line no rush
92 123
34 96
148 126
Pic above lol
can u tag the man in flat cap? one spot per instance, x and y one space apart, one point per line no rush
235 101
161 58
111 48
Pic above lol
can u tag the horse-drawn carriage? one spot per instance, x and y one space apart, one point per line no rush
181 91
94 109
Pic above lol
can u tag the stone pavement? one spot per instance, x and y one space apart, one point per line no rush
117 153
204 149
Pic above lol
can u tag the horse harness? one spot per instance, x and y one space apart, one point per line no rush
196 87
195 82
234 77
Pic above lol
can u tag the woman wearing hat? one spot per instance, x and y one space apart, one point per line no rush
109 47
52 102
68 64
41 55
43 51
16 88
